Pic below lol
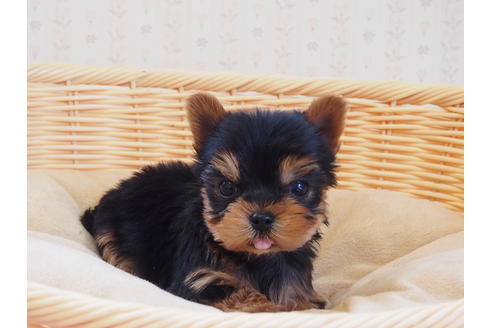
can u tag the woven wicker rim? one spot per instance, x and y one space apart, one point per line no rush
384 91
399 136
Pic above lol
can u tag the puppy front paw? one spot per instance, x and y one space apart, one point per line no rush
247 299
224 292
209 286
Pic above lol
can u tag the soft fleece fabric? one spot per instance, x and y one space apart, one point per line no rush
383 250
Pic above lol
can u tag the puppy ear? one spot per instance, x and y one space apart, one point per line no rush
327 114
204 114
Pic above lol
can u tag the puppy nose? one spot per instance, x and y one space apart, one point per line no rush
261 221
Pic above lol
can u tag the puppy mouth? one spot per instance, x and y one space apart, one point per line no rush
262 243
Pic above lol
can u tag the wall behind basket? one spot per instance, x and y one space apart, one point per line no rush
414 41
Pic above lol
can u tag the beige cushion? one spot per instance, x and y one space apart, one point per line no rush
382 250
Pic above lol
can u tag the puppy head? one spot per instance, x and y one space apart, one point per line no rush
264 173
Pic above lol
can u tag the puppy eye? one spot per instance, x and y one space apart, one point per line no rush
227 188
299 188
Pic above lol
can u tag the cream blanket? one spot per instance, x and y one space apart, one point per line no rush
382 251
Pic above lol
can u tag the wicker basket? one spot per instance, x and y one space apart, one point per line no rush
399 136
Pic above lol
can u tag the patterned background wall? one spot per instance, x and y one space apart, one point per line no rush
410 40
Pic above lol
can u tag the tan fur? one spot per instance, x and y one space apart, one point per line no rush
294 225
233 230
291 230
327 114
247 299
204 114
226 163
207 277
105 242
244 298
292 168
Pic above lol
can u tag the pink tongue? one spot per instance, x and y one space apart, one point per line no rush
261 243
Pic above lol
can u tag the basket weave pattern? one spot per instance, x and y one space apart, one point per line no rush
399 136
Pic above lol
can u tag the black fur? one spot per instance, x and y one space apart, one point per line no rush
87 220
156 216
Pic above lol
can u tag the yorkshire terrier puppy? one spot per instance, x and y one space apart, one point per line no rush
238 228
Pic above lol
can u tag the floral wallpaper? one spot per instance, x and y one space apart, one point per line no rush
413 41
